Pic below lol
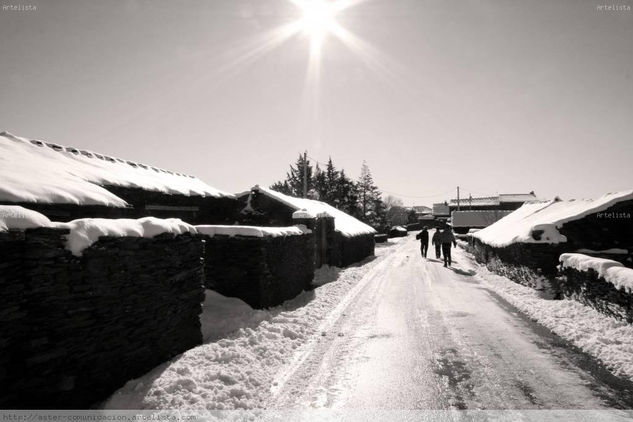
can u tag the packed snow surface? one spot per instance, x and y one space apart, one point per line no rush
37 171
344 223
249 231
13 217
546 217
86 231
612 271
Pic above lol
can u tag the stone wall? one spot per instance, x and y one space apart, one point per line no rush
262 271
589 288
533 265
74 329
349 250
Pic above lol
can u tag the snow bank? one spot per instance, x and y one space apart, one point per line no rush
86 231
605 338
344 223
249 231
544 218
13 217
36 171
223 315
612 271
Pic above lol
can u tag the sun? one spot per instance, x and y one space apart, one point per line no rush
319 17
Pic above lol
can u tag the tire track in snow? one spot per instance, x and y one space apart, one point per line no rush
374 276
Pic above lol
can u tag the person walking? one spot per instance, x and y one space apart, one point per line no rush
447 238
435 240
423 237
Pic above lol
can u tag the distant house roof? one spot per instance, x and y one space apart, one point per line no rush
485 201
477 219
441 209
494 201
344 223
517 197
421 209
43 172
546 217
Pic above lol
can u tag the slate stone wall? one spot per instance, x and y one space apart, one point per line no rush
262 271
349 250
74 329
592 290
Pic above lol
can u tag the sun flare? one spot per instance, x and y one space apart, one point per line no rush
318 17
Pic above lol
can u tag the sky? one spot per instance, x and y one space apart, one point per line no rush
492 96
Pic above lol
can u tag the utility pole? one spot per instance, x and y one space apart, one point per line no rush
305 174
457 198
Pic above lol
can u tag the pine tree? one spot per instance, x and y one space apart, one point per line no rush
293 185
346 195
372 209
320 185
281 187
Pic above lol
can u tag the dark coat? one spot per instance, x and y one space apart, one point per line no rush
423 236
436 237
447 236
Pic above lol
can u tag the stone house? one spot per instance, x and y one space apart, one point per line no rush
351 240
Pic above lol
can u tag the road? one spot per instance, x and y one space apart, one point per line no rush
416 335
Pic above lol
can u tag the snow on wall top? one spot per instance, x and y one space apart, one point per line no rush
612 271
13 217
344 223
249 231
36 171
545 218
86 231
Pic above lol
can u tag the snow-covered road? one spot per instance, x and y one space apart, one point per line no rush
396 332
417 335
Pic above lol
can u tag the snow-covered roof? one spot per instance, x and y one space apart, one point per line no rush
491 201
38 171
344 223
517 197
612 271
249 231
545 218
494 201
